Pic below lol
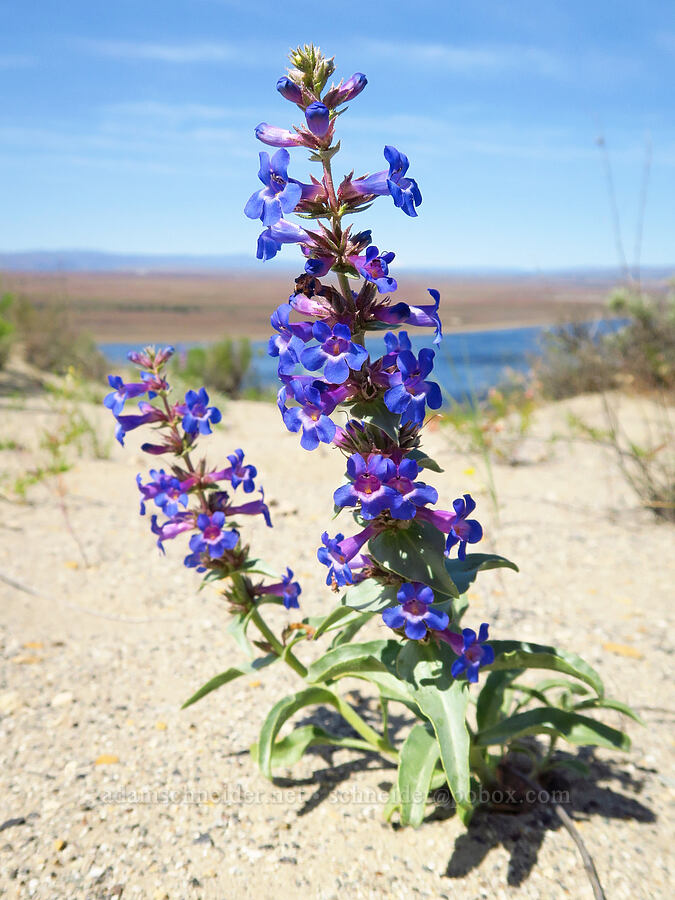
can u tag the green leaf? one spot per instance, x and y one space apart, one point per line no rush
605 703
259 567
237 630
415 553
547 684
351 628
369 595
229 675
333 618
417 761
444 701
463 571
290 749
279 714
373 661
492 704
424 461
522 655
547 720
376 412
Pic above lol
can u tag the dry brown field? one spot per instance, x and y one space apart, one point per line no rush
120 306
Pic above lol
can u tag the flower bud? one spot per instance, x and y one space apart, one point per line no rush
289 89
278 137
318 118
343 93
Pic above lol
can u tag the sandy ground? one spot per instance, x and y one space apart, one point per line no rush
108 789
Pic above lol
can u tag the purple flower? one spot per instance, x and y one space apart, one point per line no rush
317 116
395 344
282 232
239 473
214 539
287 589
427 315
167 531
336 351
253 508
166 490
121 392
289 343
413 613
278 137
311 415
346 91
404 191
279 195
149 413
412 493
199 416
149 358
375 267
367 485
473 653
318 266
455 524
289 90
410 392
342 555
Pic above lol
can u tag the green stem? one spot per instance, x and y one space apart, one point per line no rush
282 652
376 741
480 766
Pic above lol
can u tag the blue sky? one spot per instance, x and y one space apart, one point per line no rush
128 126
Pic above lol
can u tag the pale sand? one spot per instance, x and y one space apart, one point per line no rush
98 660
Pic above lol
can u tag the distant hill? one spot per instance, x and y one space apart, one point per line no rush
139 264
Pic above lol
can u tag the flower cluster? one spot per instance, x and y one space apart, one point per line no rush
191 497
324 364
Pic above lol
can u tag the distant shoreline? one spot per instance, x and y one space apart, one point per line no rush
117 307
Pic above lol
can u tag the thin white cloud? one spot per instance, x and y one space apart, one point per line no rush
16 61
181 54
488 59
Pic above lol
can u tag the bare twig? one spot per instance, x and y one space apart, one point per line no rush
544 797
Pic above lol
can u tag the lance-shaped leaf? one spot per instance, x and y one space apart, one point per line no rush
463 571
523 655
547 720
229 675
606 703
416 554
373 661
352 628
417 761
291 748
494 697
335 619
443 700
369 595
424 461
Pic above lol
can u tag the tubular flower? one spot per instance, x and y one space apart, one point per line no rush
287 589
238 473
336 353
345 91
166 491
413 613
290 341
279 195
375 267
368 478
122 392
198 415
213 538
278 137
411 493
404 191
343 555
472 651
409 392
458 528
311 415
289 90
317 116
282 232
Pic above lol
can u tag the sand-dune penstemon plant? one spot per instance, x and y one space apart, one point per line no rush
407 563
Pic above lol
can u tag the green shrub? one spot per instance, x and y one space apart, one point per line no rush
52 344
221 366
6 328
641 354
